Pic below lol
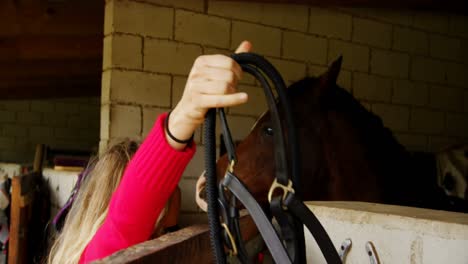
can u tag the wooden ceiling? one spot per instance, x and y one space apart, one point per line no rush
50 48
53 48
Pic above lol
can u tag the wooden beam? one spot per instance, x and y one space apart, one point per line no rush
188 245
51 47
184 246
24 69
47 89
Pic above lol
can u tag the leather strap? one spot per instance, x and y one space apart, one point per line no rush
324 242
264 226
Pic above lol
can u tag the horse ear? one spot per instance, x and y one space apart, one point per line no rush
331 75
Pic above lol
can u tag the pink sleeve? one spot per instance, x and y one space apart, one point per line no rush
149 179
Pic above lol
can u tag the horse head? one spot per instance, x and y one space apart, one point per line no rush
328 140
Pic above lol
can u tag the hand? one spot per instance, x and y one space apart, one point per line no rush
211 83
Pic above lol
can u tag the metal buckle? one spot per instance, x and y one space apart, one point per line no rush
286 189
233 251
230 168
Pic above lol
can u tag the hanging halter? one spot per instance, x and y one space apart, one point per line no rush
287 208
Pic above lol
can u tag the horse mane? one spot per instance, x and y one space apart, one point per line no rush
369 125
384 153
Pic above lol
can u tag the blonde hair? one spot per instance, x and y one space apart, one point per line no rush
90 207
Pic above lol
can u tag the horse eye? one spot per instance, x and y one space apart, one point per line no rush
268 131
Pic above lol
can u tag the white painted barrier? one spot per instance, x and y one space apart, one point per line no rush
399 234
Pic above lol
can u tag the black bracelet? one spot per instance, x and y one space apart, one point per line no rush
166 125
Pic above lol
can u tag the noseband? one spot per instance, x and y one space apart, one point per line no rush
287 208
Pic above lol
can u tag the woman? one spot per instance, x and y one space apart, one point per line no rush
107 215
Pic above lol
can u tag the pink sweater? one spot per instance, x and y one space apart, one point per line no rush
149 179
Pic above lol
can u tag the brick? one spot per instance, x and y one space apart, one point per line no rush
7 143
434 22
412 41
457 125
291 71
78 121
458 26
104 125
316 70
138 18
14 131
125 121
302 47
465 101
249 11
267 40
28 118
42 106
164 56
65 133
41 133
437 144
412 142
389 63
149 118
178 86
372 33
457 74
193 27
290 16
122 51
344 79
446 98
240 126
57 119
427 121
67 108
256 104
394 117
393 16
196 166
89 110
426 69
330 23
7 116
141 88
370 87
197 5
464 51
15 105
445 47
187 188
355 57
410 93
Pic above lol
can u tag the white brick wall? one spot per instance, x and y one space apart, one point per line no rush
59 123
408 67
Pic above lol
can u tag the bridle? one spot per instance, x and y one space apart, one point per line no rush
288 209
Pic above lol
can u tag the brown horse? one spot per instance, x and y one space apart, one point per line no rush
346 152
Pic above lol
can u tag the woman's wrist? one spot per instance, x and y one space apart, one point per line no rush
178 128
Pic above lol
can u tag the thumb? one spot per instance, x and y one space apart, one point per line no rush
245 46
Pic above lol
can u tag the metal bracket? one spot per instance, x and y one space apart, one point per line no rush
372 253
344 249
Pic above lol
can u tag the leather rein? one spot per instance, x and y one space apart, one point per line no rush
287 208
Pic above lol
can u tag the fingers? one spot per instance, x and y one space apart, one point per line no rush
215 74
245 46
213 87
217 62
226 100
